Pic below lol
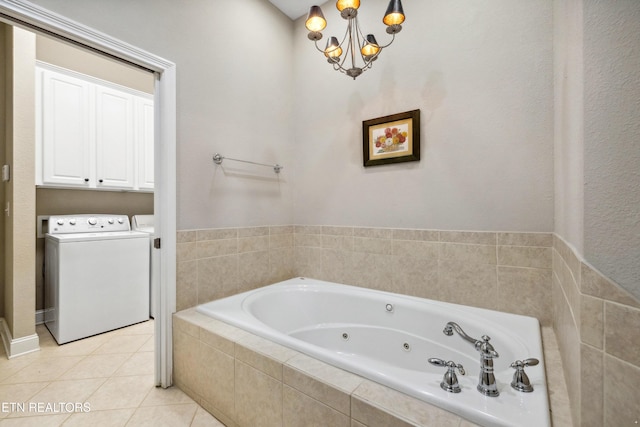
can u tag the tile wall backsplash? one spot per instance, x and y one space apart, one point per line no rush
536 274
598 329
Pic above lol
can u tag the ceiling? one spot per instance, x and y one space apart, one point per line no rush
294 9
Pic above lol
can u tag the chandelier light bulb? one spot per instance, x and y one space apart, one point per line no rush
347 4
359 51
315 20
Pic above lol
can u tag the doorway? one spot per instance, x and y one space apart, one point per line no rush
27 16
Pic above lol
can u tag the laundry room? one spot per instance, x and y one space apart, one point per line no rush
94 144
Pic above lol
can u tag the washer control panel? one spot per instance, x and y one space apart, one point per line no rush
88 223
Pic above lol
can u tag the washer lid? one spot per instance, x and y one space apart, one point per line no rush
92 237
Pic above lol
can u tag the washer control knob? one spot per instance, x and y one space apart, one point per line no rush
72 221
60 221
110 220
120 220
92 221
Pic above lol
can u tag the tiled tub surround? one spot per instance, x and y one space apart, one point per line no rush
245 380
509 272
598 330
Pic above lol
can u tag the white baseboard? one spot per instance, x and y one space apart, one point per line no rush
18 346
39 317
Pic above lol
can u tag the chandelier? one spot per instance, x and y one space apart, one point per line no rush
354 44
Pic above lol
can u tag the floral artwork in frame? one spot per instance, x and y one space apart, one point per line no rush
391 139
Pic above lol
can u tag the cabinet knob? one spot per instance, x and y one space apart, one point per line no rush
86 180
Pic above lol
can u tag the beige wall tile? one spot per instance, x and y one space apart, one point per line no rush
308 262
525 291
263 354
220 416
213 248
415 249
595 284
345 243
186 350
308 240
222 336
372 245
217 233
569 344
621 332
281 264
283 240
323 382
215 379
526 239
470 284
524 256
337 266
211 335
337 231
621 393
253 270
372 271
416 276
186 251
592 321
475 237
307 229
281 229
591 380
258 398
409 234
186 285
253 244
217 277
465 253
376 405
252 231
301 410
186 236
373 233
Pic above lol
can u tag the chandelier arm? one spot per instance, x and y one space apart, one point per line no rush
393 37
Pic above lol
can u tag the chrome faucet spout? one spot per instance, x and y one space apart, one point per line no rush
487 382
453 326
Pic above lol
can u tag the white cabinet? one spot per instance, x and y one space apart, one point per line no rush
91 133
65 119
144 132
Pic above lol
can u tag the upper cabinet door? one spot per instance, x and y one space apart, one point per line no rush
114 138
144 137
64 130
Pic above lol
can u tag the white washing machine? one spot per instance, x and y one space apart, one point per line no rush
96 275
145 224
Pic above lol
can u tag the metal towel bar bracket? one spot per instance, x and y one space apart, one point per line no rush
217 159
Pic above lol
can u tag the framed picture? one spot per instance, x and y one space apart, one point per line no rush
391 139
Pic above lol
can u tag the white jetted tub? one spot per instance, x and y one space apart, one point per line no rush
388 338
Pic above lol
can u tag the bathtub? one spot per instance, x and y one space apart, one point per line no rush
388 338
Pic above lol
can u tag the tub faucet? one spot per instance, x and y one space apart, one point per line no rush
487 382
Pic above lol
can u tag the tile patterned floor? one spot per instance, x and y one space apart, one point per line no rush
110 374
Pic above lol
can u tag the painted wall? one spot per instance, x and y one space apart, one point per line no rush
481 74
67 56
569 122
19 241
611 139
234 72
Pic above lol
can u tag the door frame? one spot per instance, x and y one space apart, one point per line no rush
35 18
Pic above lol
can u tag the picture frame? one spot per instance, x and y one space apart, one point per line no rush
391 139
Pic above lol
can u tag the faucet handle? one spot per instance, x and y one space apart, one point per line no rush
450 381
520 378
486 348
